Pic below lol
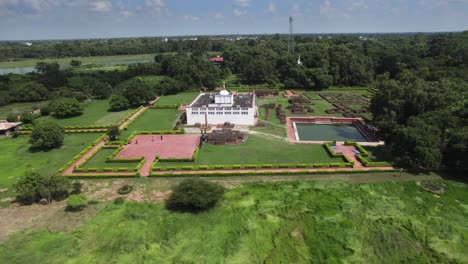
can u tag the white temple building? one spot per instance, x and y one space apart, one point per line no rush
222 107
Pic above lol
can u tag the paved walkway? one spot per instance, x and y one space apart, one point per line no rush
290 93
349 152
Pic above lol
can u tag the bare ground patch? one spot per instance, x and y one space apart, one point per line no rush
53 217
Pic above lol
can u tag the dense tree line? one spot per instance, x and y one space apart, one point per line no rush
103 47
424 123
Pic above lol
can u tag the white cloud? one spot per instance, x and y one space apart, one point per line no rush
28 6
218 15
155 6
238 12
191 18
100 6
271 8
127 13
242 3
326 8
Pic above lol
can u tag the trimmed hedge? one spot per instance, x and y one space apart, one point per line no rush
251 166
161 132
100 176
86 127
368 163
165 106
117 142
129 115
363 153
83 152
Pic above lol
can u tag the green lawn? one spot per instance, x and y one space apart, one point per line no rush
95 113
153 120
259 150
99 161
180 98
16 159
289 222
95 59
378 153
19 108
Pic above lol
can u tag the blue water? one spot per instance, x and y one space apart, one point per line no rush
328 132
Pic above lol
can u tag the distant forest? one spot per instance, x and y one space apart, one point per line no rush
420 106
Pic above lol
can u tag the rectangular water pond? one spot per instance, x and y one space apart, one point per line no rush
328 132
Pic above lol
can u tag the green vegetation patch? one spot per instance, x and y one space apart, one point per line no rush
94 59
180 98
20 108
99 68
95 114
153 120
16 159
294 222
99 161
259 149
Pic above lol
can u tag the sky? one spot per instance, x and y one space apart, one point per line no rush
72 19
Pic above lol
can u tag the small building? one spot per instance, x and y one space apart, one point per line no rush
218 60
222 107
8 127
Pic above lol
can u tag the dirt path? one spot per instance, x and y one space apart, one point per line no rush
278 171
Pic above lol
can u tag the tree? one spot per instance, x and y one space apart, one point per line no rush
28 188
113 132
30 92
194 195
93 87
75 63
66 107
77 202
137 92
51 75
54 187
27 117
118 103
46 135
12 117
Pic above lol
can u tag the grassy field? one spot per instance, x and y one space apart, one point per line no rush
180 98
153 120
19 108
95 113
99 161
293 222
95 59
258 150
98 68
16 159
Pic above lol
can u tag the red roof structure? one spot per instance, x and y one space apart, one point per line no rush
217 59
5 125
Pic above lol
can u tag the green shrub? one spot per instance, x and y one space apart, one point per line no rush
126 189
93 202
77 202
194 195
119 200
